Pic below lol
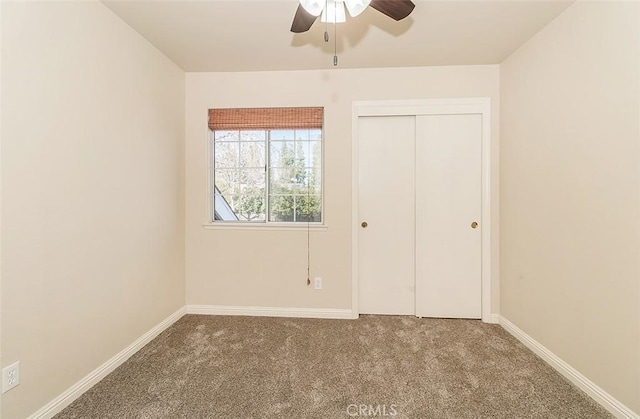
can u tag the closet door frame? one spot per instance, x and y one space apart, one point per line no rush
454 106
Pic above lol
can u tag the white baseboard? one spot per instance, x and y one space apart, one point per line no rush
494 318
65 399
318 313
607 401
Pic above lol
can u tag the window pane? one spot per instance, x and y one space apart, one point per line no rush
252 154
315 150
311 182
303 157
226 136
281 208
315 134
281 153
282 135
227 154
233 201
252 181
308 208
250 207
316 180
227 188
227 181
282 181
253 136
222 209
302 135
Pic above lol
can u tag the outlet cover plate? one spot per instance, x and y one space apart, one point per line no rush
10 376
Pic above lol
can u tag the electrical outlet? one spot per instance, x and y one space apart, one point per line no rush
317 283
10 376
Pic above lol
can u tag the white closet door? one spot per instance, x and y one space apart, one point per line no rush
386 204
448 202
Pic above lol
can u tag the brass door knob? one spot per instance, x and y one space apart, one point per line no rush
474 225
364 224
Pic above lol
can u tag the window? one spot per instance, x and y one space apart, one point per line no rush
267 165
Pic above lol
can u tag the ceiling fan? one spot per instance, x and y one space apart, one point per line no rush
332 11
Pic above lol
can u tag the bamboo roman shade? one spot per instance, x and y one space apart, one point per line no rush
265 118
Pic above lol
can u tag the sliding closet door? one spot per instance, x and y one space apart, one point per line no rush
447 218
386 213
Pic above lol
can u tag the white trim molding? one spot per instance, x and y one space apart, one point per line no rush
65 399
444 106
316 313
614 406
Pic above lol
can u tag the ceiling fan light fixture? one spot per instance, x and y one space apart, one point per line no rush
334 12
355 7
313 7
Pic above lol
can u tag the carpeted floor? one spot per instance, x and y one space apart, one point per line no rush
376 366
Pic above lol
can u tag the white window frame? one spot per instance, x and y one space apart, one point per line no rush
212 224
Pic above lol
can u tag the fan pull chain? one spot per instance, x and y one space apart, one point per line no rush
326 23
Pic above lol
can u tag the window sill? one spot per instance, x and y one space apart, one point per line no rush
265 226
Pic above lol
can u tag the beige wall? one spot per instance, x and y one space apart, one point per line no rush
92 210
569 185
268 268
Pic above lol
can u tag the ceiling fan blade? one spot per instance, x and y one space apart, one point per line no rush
395 9
302 21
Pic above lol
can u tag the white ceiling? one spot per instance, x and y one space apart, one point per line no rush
253 35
